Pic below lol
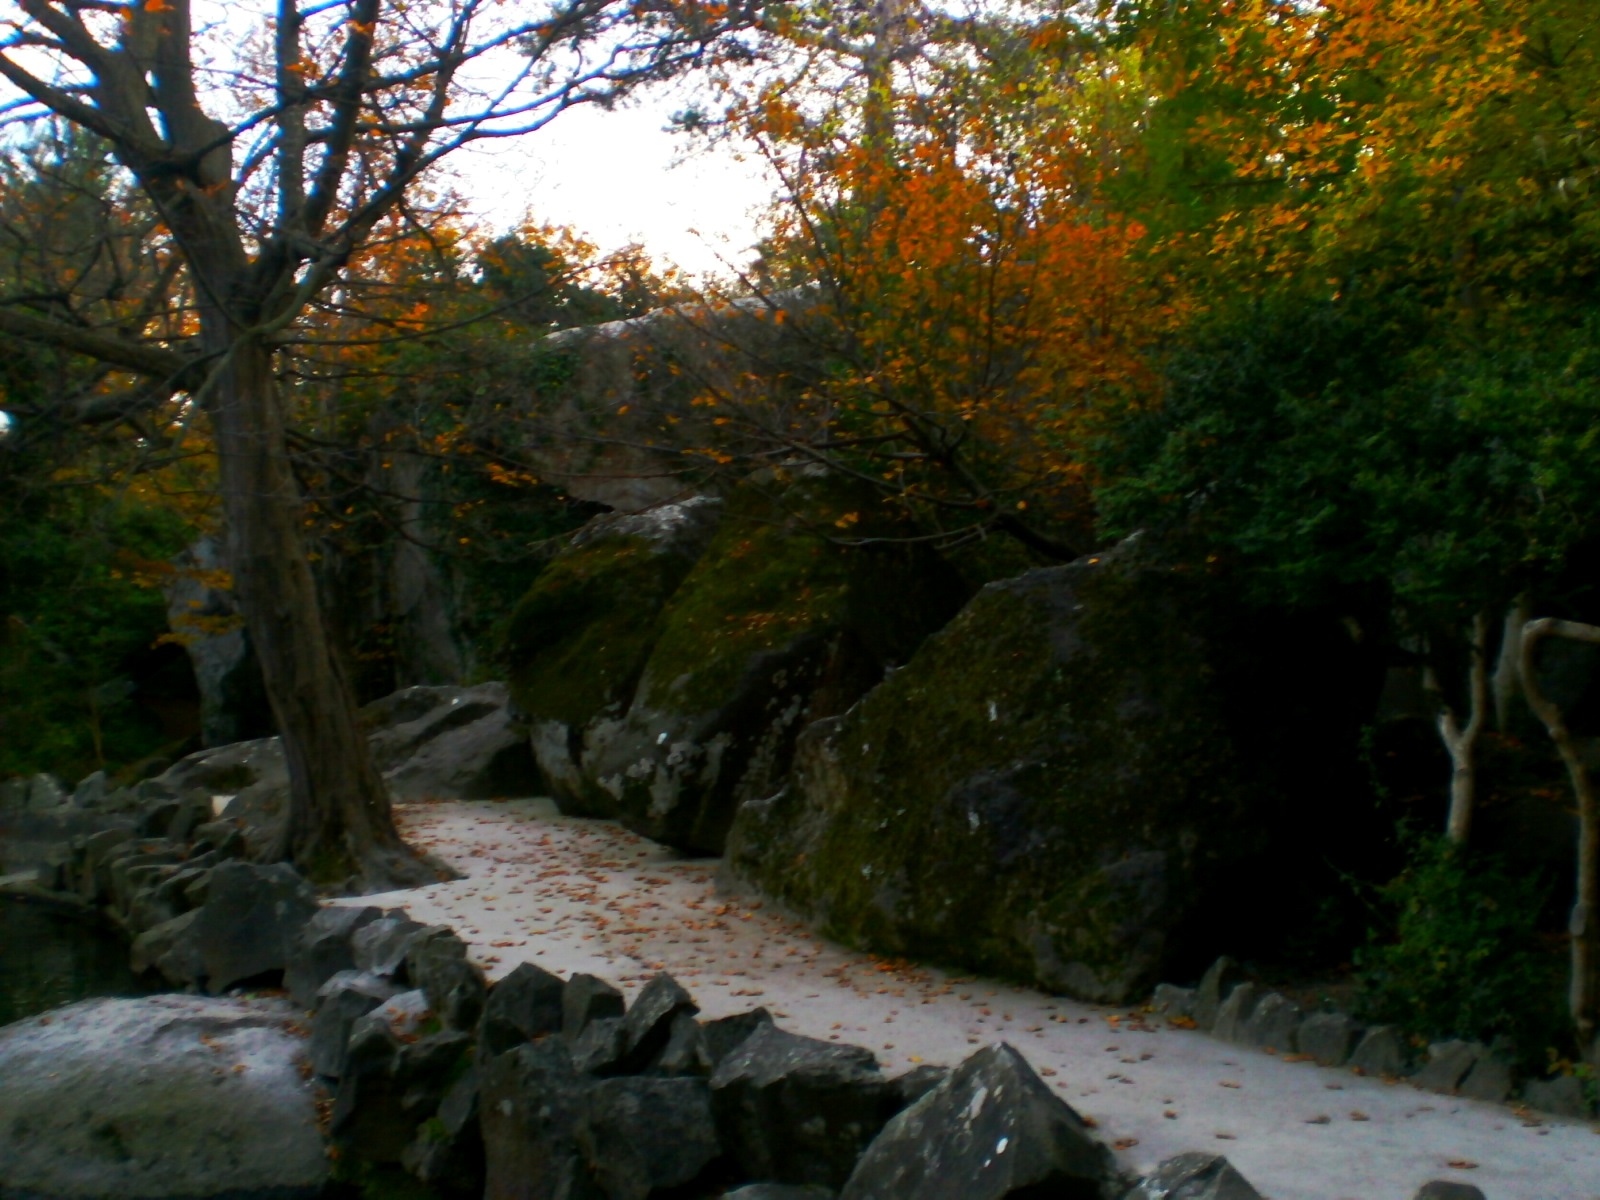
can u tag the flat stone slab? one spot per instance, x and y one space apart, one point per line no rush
165 1096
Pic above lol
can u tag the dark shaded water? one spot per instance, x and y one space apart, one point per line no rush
49 958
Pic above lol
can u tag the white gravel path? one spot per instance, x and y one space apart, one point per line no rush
576 895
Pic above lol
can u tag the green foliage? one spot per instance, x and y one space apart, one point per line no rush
1459 956
75 621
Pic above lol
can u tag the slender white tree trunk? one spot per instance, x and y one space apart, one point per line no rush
1461 737
1584 926
1508 666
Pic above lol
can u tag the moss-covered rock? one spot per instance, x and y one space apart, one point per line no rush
1070 785
578 641
792 614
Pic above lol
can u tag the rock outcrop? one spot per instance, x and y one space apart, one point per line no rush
1078 782
580 638
692 696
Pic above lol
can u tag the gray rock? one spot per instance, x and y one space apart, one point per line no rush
648 1024
991 1130
381 945
36 793
526 1004
1447 1065
436 962
1170 1000
641 1136
1233 1018
155 820
389 1087
919 1081
1274 1024
465 746
1328 1037
1381 1051
1493 1076
169 949
580 638
685 1052
530 1107
402 1015
343 1000
1562 1096
588 998
1445 1189
720 704
779 1191
598 1049
250 920
1094 888
92 790
448 1151
1194 1176
95 883
322 949
254 774
726 1034
796 1110
163 1096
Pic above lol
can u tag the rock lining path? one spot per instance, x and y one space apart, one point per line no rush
578 895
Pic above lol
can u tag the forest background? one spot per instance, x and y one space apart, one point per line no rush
1304 293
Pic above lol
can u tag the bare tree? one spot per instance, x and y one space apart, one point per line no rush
271 145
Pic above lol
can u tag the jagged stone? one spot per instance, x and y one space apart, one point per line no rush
598 1050
648 1023
992 1130
381 945
1194 1176
1447 1065
1170 1000
1562 1096
526 1004
1328 1037
1381 1051
641 1136
726 1034
530 1107
322 949
1492 1077
1234 1016
685 1052
447 1152
1274 1025
588 998
793 1109
436 961
251 917
342 1000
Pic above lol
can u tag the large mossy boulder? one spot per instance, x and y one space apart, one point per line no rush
579 640
809 592
1093 777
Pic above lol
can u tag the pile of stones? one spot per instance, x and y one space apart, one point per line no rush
1233 1008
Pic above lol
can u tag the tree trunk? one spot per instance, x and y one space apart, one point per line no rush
339 826
1508 667
1584 926
1461 740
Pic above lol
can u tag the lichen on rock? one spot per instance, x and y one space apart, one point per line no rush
1055 788
784 620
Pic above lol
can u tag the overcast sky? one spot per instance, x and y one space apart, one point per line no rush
615 178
